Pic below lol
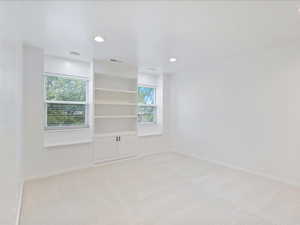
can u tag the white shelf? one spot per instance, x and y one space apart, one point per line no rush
123 133
114 103
115 90
116 117
122 76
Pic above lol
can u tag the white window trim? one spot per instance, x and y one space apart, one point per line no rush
152 105
86 103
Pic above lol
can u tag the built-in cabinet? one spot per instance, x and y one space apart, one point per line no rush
105 148
115 147
115 101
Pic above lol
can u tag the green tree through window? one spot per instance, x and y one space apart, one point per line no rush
65 89
147 110
66 101
146 95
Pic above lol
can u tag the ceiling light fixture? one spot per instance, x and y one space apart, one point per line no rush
172 60
99 39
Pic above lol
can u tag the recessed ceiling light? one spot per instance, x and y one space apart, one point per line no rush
172 59
74 53
99 39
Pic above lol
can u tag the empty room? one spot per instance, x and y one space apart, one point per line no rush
149 112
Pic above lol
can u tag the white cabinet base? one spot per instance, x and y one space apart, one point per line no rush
113 148
105 148
128 146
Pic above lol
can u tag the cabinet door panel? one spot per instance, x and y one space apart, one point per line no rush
128 145
105 148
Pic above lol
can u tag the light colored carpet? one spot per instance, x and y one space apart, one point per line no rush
164 189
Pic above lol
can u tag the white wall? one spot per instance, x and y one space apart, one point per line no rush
10 128
40 161
244 112
33 106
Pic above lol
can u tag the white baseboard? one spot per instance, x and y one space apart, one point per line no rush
91 165
20 204
253 172
228 165
59 172
128 158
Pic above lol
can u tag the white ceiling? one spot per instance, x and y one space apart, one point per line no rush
147 33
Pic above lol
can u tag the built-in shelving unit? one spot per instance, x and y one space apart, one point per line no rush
114 103
127 133
119 74
115 119
115 89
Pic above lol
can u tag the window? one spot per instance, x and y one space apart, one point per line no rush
147 108
66 102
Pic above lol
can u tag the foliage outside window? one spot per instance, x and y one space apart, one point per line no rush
147 108
66 102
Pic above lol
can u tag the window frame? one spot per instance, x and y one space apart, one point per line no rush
149 105
86 102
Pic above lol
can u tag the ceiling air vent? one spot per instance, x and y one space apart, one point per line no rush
74 53
115 60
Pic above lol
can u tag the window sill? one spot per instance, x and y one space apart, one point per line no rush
150 134
54 130
148 124
67 144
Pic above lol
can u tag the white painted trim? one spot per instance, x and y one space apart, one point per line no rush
59 172
66 102
68 143
116 75
68 76
154 153
20 204
125 158
109 161
150 105
115 90
124 133
91 165
256 173
66 130
114 103
150 134
116 117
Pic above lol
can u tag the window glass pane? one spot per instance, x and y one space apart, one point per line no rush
146 114
65 115
146 95
65 89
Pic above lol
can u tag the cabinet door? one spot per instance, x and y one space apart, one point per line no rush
105 148
128 145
